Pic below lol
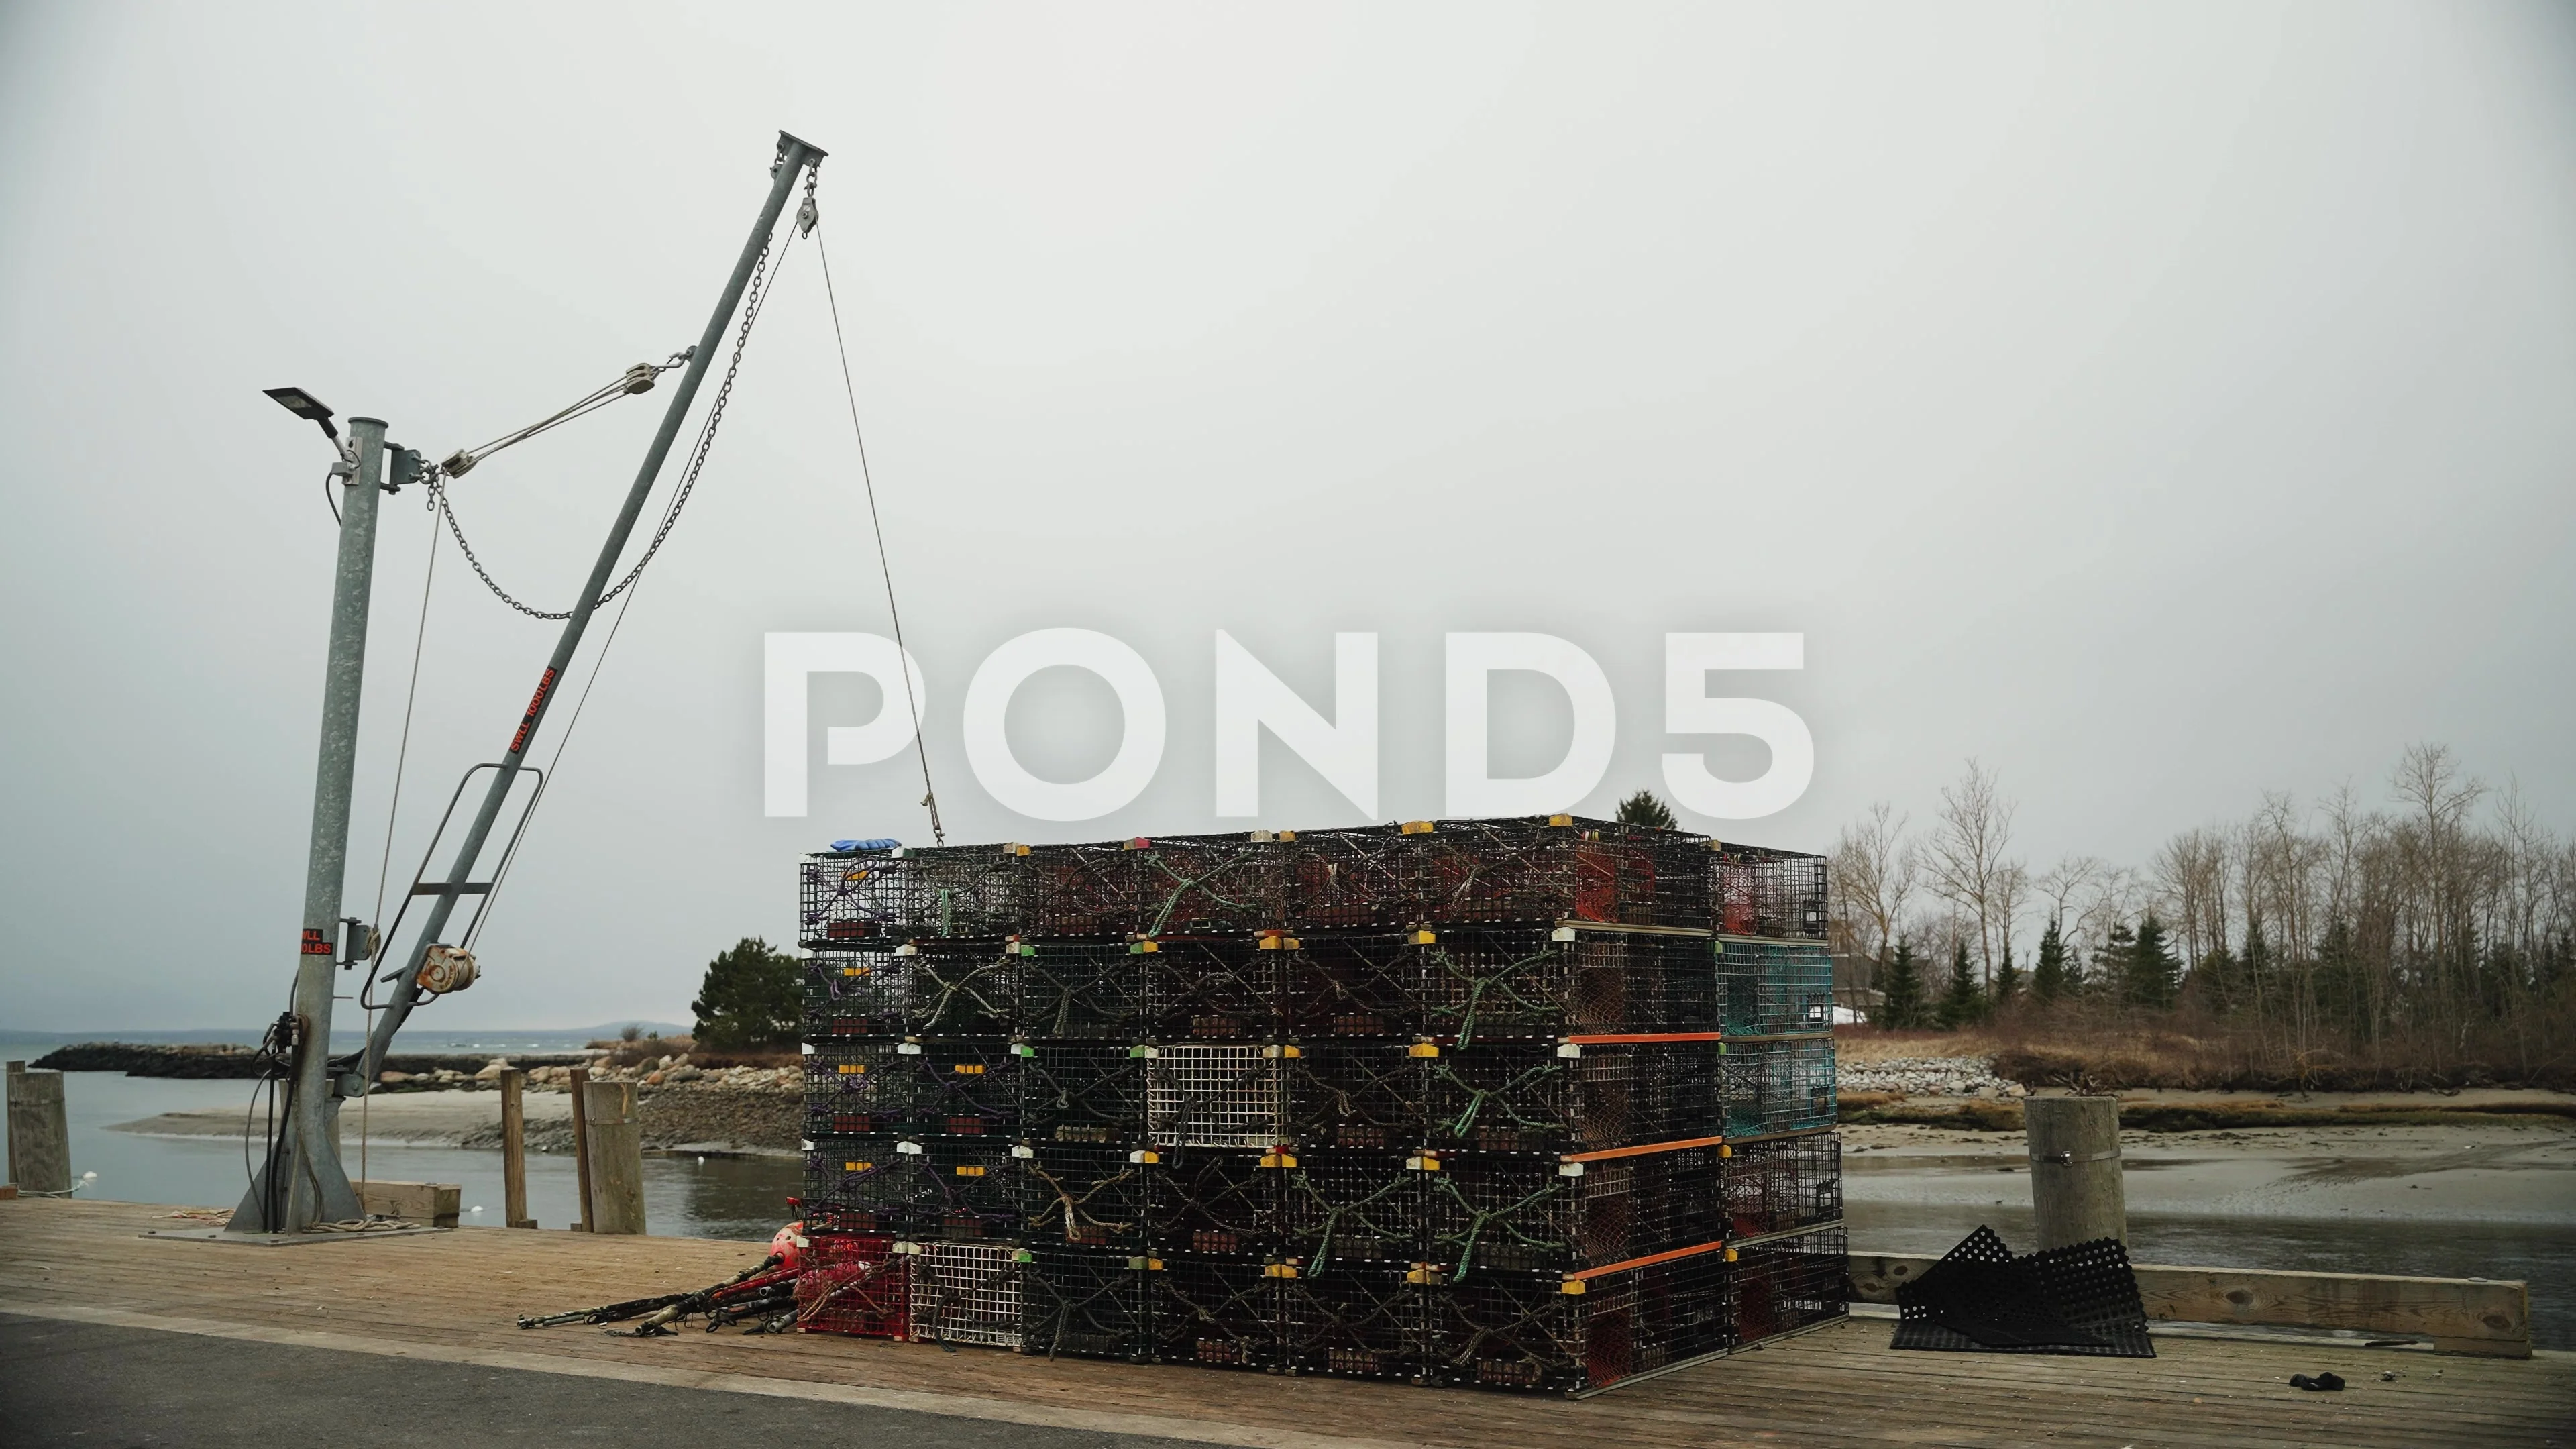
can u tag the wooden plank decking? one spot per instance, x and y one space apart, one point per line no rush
451 1296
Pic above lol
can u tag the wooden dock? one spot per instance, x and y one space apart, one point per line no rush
451 1296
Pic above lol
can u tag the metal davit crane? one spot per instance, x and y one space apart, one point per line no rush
301 1184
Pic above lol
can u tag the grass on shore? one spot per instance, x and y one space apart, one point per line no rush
1982 1116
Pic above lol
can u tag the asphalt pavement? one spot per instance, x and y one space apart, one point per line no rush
87 1384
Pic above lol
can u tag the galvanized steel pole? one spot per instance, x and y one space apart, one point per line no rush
305 1154
794 157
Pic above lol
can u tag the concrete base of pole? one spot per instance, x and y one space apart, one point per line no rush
2075 1190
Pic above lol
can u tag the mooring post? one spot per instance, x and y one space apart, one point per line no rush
616 1157
514 1151
2075 1191
40 1142
581 1145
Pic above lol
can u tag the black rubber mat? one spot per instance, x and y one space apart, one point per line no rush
1980 1298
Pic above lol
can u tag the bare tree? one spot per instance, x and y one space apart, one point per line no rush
1967 852
1873 872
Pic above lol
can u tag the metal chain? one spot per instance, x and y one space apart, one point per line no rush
760 280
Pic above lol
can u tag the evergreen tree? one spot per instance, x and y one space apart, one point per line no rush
1900 1007
2048 980
753 999
2007 979
2152 977
1963 1003
2220 980
1643 808
2259 967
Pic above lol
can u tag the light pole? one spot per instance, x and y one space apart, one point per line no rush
302 1182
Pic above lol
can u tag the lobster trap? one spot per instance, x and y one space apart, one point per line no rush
1494 1213
1783 1184
962 1089
1085 1303
1779 1086
847 899
1352 1321
960 987
1362 1094
1349 879
1769 988
1216 1096
1082 989
1082 1092
1202 884
968 1293
1547 1332
1757 891
1213 987
944 1188
1542 981
1790 1283
900 893
853 1285
1555 869
854 994
1078 890
1346 1208
1217 1312
1572 1097
856 1087
1083 1196
1219 1204
1353 984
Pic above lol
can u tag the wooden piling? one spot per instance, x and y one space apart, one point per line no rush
514 1151
40 1139
581 1146
2075 1189
616 1157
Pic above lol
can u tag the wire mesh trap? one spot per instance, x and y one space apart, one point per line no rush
1341 1208
1086 1303
1544 1332
1354 984
1215 1096
1353 1321
968 1293
1502 1213
1763 892
856 1285
1482 984
961 988
1782 1184
1592 870
1082 1092
1779 1086
1358 1094
1212 987
947 1188
1216 1312
1215 1203
1513 1096
854 994
1084 1196
1772 988
1083 989
1790 1283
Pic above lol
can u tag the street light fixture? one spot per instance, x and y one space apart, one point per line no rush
305 405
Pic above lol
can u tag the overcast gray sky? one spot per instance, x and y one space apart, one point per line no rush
2163 403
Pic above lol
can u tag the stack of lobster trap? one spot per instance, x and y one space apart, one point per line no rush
1542 1104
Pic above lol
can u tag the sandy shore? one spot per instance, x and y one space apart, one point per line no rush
433 1119
2516 1171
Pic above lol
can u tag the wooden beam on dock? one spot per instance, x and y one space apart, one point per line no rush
2484 1316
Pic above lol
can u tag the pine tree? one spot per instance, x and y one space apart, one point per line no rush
2007 979
2259 965
753 999
1643 808
2152 976
1900 1006
2048 980
1963 1003
2219 979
